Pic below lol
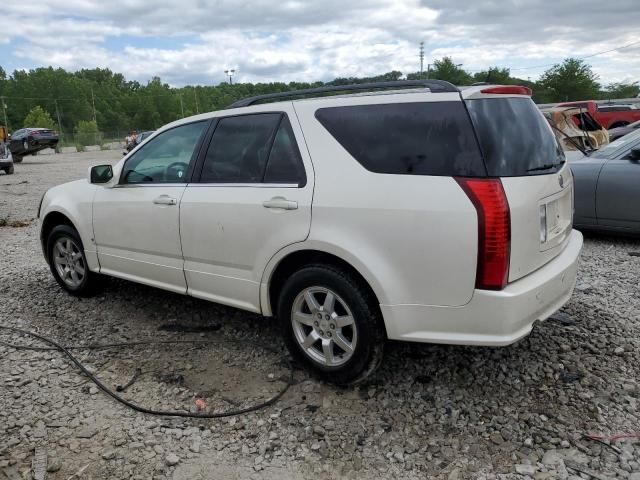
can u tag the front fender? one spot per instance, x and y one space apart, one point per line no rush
74 200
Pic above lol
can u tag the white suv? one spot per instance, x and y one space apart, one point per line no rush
425 213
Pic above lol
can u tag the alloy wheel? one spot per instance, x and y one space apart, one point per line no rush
68 260
324 326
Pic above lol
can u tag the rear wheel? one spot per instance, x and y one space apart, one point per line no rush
331 323
68 263
17 158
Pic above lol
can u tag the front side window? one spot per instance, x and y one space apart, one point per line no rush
239 149
166 158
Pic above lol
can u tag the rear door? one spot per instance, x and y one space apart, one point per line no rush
253 198
519 146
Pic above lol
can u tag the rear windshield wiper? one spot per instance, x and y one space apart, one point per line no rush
547 166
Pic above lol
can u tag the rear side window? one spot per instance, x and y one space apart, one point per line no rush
515 138
285 164
421 138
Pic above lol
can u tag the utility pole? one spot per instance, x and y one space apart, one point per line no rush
195 95
421 56
93 104
181 104
59 122
230 73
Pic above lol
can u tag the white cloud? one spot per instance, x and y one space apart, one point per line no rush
291 40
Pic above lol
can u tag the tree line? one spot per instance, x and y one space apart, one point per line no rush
99 99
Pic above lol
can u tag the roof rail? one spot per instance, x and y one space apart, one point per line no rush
436 86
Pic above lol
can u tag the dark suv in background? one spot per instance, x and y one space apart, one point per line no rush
28 141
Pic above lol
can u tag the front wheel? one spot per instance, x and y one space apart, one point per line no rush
17 158
9 170
68 263
332 324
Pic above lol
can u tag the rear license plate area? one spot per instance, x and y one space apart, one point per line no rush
558 218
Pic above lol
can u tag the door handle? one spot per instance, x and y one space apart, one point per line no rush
281 203
165 200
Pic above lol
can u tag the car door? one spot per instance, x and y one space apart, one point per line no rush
585 171
15 144
618 194
252 198
135 223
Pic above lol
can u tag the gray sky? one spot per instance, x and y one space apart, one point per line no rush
193 41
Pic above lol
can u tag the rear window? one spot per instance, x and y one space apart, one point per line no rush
515 138
421 138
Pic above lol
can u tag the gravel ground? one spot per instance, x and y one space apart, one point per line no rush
431 411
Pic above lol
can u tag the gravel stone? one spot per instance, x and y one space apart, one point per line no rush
431 411
525 469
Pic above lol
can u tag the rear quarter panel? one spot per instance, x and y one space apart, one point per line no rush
416 235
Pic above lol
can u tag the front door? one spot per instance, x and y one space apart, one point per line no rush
618 194
136 222
252 199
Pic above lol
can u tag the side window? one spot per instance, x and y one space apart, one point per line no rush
425 138
166 158
285 163
239 149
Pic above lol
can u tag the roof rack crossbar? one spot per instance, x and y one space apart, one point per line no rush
436 86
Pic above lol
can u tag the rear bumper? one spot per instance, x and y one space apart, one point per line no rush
491 318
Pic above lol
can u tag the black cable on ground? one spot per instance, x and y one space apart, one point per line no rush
57 346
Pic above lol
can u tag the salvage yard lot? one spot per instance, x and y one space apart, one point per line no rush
441 411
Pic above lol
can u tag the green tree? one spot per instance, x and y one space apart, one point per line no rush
444 69
496 75
570 80
621 90
39 118
87 133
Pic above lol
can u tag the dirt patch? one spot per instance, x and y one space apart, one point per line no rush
14 223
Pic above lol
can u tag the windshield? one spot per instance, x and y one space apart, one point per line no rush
515 138
613 149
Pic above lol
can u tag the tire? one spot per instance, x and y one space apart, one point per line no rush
17 159
67 271
9 170
320 324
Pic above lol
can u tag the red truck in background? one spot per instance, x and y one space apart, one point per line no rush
609 116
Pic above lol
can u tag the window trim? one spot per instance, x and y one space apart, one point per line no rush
192 161
196 178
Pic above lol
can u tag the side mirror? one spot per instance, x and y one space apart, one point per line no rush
634 154
100 174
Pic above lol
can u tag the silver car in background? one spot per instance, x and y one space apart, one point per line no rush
607 187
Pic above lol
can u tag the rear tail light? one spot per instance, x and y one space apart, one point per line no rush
494 230
508 90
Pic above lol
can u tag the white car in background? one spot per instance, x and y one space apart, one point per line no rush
423 213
